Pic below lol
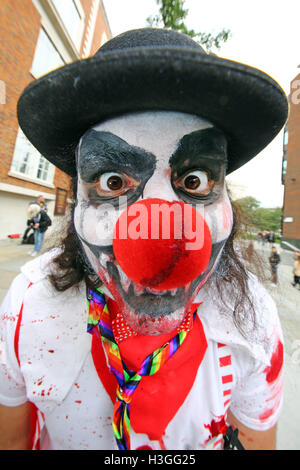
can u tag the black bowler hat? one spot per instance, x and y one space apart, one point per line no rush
152 69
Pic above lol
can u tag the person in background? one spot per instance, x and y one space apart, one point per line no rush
274 260
40 200
259 237
271 237
296 270
28 236
41 223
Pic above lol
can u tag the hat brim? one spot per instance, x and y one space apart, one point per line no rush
245 103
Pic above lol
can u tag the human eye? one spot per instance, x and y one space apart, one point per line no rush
195 182
114 184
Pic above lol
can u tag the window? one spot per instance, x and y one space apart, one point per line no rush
285 137
71 18
46 57
29 163
284 161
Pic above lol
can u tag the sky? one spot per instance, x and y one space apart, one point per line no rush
265 35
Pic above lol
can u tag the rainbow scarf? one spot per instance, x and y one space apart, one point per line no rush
99 323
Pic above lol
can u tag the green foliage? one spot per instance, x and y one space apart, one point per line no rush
172 14
259 217
269 219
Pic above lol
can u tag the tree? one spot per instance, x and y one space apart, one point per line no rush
248 206
269 219
172 14
259 217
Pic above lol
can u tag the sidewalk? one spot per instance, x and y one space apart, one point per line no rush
12 257
287 298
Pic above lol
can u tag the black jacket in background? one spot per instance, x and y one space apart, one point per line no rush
44 221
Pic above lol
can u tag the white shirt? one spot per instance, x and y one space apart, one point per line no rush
57 371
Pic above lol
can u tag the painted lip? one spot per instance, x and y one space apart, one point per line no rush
149 301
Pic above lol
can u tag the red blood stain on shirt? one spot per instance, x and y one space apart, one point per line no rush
217 427
273 370
266 414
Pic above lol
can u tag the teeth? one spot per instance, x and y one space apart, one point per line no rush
125 281
154 291
187 287
138 290
157 291
103 260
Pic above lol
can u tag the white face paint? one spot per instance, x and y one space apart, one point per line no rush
166 155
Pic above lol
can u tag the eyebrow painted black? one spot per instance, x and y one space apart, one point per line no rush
204 149
100 152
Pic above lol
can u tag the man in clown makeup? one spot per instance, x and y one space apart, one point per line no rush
144 329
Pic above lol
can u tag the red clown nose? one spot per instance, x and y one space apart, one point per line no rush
162 245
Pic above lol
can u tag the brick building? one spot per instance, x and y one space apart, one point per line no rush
37 36
291 170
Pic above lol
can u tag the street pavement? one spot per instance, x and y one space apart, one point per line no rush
287 298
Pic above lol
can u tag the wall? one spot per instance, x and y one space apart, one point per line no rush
291 230
20 24
19 27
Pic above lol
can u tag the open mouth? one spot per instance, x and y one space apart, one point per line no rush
143 299
147 301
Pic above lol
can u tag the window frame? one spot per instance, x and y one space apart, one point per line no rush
35 163
77 5
36 52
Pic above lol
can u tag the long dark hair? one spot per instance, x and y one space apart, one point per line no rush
229 280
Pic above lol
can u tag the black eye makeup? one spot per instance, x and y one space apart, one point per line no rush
198 166
109 167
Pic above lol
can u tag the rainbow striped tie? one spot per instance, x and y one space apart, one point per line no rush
99 324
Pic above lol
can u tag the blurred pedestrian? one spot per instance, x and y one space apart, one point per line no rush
40 201
271 237
274 260
259 237
41 223
33 211
296 270
28 236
